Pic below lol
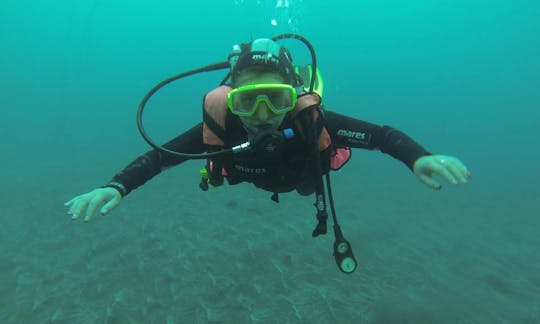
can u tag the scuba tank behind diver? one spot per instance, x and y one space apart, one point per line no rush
268 142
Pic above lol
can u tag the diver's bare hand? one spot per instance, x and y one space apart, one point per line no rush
88 203
448 167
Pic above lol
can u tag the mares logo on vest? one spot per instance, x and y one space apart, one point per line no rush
355 136
249 170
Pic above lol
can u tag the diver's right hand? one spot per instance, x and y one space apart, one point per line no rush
109 198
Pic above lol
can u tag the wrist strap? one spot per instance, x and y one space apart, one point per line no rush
118 186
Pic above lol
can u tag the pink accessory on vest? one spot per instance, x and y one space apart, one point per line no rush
339 157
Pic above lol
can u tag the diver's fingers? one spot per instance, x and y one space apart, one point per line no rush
91 201
95 202
110 205
448 167
457 173
429 181
78 206
70 202
442 169
463 170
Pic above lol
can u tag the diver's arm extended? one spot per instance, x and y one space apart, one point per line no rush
134 175
150 164
350 132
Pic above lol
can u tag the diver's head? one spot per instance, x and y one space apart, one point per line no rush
263 81
262 55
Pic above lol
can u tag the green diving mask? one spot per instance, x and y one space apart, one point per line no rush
279 98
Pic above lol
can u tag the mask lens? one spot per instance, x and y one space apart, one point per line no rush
280 98
243 103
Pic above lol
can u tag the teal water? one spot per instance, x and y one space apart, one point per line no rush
461 77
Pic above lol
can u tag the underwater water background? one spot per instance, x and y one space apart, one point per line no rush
461 77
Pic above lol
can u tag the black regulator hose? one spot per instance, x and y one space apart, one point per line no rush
144 101
311 51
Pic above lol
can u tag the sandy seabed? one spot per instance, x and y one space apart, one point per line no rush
173 254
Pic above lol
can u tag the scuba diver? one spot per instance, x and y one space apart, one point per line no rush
266 125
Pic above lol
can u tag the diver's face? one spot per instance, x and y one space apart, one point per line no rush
263 116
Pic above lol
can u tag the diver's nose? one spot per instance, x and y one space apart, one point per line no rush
262 112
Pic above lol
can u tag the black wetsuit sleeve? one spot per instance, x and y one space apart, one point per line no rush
349 132
151 163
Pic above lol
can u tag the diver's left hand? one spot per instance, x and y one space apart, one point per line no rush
448 167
